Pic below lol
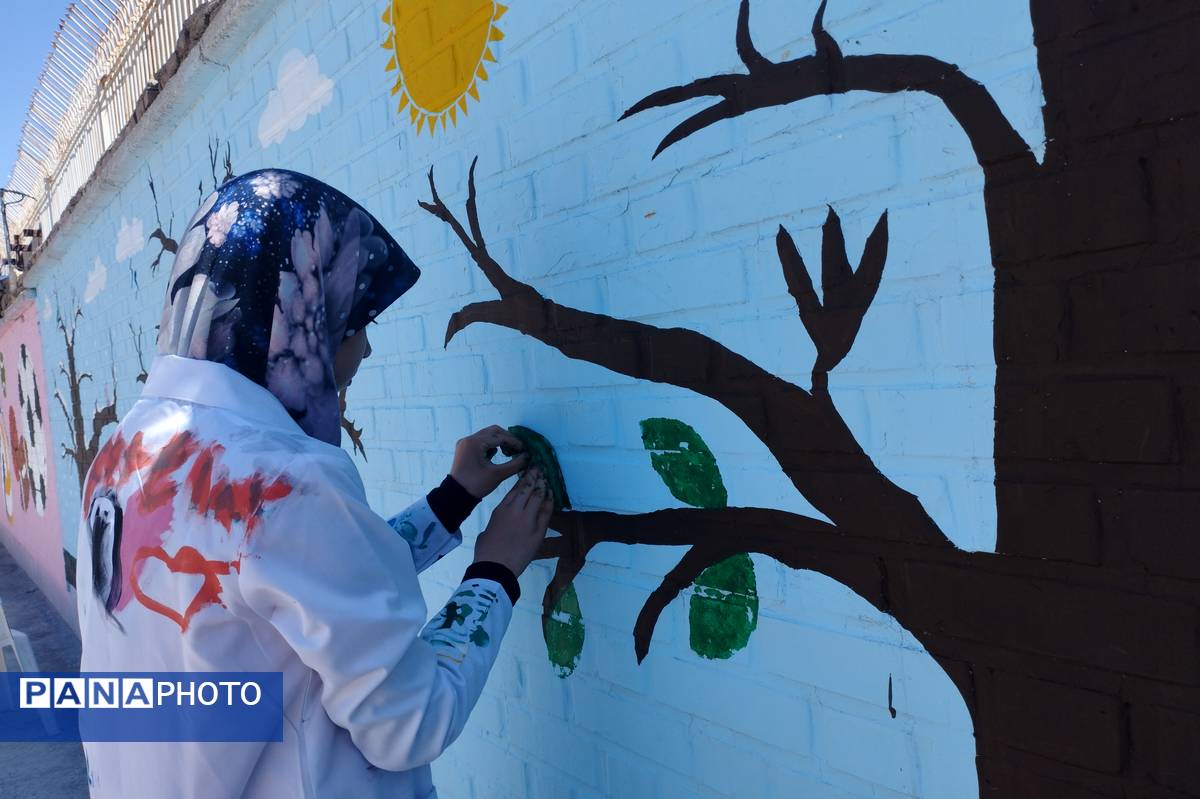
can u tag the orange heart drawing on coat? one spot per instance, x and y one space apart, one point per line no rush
187 560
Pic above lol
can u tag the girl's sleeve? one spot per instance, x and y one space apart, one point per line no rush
341 588
431 524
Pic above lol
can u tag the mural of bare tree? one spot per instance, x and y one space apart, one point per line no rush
166 243
83 447
214 153
136 334
1074 644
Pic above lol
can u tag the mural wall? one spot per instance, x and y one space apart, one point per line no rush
29 519
861 336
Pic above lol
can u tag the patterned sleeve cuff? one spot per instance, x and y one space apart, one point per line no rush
497 572
451 503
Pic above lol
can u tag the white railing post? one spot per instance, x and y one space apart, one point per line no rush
105 54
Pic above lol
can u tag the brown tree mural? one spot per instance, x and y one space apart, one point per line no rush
1074 644
165 242
83 447
136 335
214 153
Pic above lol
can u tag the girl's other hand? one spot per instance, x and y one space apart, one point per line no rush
518 525
473 467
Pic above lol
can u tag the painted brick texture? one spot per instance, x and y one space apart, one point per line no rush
832 696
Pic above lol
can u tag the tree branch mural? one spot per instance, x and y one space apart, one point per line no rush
136 335
829 468
828 71
1064 651
166 243
83 447
214 153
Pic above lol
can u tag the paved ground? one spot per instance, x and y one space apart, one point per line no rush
39 771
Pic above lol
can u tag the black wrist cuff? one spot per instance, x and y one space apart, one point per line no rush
490 570
451 503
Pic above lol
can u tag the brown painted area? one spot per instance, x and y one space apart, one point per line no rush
1076 646
166 244
83 447
352 430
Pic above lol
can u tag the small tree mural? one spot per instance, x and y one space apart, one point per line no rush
1073 644
214 153
136 335
166 243
83 447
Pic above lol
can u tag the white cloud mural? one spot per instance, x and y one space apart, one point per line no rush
96 281
300 92
130 238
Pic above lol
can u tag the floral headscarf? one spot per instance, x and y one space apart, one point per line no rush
273 271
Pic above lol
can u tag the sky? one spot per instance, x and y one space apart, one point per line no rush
29 28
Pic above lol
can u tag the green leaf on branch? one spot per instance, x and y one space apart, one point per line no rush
564 634
684 462
724 608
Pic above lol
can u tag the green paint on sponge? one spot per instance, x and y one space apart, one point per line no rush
541 455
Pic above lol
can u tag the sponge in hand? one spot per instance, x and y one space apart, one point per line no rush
541 455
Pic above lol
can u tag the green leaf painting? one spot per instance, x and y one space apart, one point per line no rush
563 632
723 610
684 462
563 628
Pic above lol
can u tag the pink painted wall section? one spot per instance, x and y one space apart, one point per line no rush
29 518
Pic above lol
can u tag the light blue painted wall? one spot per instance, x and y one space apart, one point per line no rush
571 201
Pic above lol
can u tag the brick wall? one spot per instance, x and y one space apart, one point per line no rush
831 697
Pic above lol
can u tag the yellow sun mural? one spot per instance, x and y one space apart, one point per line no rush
439 47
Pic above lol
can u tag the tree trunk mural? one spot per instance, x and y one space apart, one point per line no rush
136 335
165 242
1075 644
83 448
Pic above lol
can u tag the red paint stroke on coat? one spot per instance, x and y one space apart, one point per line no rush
149 510
158 487
115 463
228 500
187 560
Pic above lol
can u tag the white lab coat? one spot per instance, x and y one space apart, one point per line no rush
309 581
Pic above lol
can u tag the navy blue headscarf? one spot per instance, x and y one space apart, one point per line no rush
273 272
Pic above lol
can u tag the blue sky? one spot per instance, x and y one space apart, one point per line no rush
29 29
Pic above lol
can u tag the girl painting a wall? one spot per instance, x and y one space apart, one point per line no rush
226 530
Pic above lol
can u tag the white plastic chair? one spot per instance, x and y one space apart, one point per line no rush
18 642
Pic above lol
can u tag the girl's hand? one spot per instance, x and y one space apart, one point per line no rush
518 525
473 467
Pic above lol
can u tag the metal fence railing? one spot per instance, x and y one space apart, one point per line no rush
104 55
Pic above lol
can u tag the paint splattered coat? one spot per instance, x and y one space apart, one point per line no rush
247 545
